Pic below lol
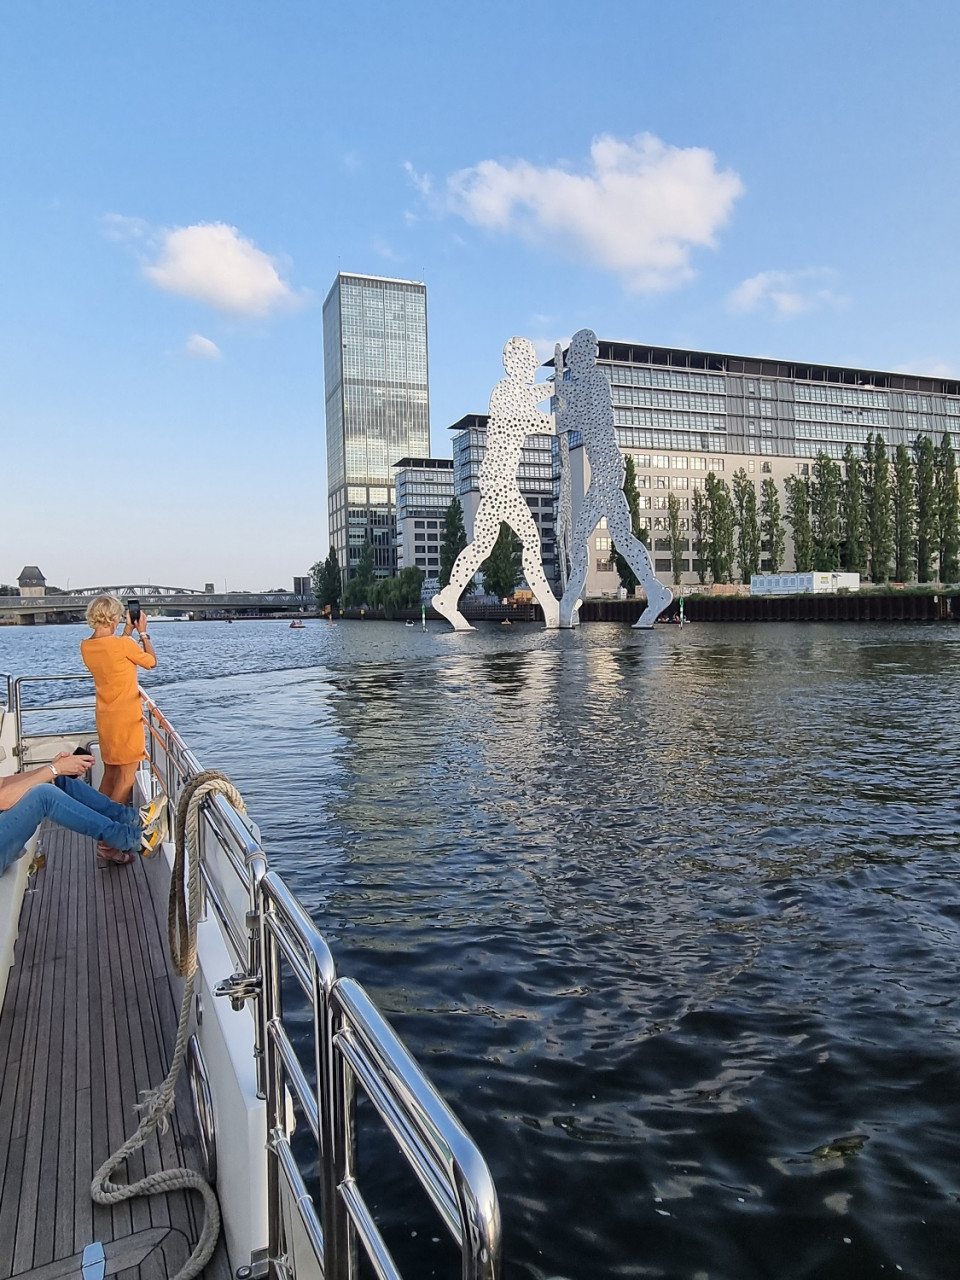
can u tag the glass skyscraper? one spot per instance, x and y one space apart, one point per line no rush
377 408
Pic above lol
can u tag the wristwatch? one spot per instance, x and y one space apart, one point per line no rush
54 770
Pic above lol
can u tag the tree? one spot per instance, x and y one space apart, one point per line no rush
628 578
825 513
925 489
879 507
948 511
454 540
904 534
771 524
748 525
359 589
798 513
676 538
503 568
326 581
722 521
394 594
854 552
700 529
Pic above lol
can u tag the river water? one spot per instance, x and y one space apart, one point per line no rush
670 918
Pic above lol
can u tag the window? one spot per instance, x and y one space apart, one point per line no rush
418 524
803 468
663 566
698 464
766 468
767 410
750 387
603 544
716 464
751 407
662 482
680 464
661 504
681 482
661 460
766 390
698 482
643 482
643 459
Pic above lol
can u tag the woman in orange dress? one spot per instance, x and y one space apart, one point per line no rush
113 660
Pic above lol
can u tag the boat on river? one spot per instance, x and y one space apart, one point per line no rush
88 1021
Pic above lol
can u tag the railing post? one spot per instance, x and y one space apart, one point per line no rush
270 1002
343 1123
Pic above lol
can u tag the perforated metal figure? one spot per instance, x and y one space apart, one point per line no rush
513 416
584 404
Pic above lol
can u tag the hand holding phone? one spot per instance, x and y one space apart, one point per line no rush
133 611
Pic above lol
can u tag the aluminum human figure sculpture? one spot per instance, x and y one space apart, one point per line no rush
513 416
584 404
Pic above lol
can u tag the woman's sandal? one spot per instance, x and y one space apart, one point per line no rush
107 856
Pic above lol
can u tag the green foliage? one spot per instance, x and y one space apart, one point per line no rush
359 589
326 581
825 513
628 578
798 513
925 489
853 556
393 595
454 540
503 568
748 525
948 511
7 590
904 516
722 520
771 524
879 504
676 538
700 529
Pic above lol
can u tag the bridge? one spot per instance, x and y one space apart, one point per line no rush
71 606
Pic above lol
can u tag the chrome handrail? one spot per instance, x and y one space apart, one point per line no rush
352 1044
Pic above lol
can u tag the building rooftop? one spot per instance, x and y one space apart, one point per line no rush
426 464
30 576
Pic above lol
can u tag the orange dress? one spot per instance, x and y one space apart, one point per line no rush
113 662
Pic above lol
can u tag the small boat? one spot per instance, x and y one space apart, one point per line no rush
409 622
296 625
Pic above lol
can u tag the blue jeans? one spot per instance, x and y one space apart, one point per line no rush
74 805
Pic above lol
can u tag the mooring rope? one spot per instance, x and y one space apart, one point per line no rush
182 912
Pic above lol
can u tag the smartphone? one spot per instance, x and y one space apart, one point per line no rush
134 608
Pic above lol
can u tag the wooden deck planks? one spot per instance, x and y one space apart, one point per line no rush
89 1021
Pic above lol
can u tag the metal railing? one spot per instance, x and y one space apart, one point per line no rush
269 931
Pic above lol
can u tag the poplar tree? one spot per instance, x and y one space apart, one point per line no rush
925 488
676 538
854 557
454 540
359 589
748 525
879 509
798 513
771 524
700 531
825 513
904 515
948 510
628 578
722 522
503 568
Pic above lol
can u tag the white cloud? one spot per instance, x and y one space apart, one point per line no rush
788 293
212 263
638 210
201 348
116 226
929 368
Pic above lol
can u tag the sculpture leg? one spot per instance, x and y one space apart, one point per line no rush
526 530
638 558
587 520
486 527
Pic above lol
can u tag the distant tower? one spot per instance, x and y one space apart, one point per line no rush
31 581
377 408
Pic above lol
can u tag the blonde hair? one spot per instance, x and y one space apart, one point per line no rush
104 611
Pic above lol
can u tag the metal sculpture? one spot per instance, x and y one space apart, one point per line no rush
584 404
513 416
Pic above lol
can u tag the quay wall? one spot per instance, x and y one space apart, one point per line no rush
864 606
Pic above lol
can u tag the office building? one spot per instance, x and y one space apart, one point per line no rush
377 408
538 475
424 492
682 414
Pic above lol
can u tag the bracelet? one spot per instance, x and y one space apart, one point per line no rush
144 636
53 769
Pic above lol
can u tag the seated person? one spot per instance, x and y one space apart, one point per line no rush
25 800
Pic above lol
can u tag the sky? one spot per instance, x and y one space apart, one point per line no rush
180 183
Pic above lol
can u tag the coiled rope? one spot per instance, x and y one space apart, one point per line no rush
182 911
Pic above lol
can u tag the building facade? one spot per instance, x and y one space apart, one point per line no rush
682 414
377 408
424 492
538 475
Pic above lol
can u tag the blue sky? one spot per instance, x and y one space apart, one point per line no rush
181 182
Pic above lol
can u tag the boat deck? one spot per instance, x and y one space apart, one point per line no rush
89 1021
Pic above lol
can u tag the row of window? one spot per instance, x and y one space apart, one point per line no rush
833 393
668 400
834 413
637 376
633 438
670 421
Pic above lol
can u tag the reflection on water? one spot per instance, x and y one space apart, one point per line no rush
670 918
